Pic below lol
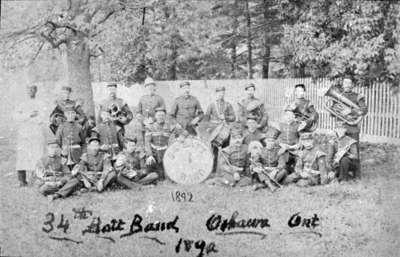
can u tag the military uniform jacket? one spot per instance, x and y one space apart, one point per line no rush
288 133
313 159
110 135
271 158
158 136
123 107
62 105
130 161
71 134
148 104
233 155
304 107
339 145
185 109
360 101
94 166
217 108
51 168
260 112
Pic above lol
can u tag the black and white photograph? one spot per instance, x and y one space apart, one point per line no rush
200 128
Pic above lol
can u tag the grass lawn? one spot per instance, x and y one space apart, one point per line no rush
355 219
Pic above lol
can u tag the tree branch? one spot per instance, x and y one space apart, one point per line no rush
52 41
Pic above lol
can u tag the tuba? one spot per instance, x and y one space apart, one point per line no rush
341 107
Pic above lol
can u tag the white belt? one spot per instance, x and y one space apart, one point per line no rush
159 148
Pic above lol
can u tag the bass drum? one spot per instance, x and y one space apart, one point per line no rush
189 162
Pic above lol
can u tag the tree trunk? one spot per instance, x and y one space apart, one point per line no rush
249 47
78 65
235 26
266 46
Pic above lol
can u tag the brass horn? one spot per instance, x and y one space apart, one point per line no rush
341 107
115 110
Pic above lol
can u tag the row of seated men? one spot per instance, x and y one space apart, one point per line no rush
268 159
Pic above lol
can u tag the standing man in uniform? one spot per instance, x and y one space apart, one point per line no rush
70 137
254 106
219 113
186 110
120 112
30 118
57 117
303 110
353 131
149 102
157 139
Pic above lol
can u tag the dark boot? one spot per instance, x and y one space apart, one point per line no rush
22 178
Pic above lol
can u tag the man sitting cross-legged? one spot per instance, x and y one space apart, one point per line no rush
130 166
51 170
93 171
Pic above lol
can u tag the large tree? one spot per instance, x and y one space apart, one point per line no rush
72 26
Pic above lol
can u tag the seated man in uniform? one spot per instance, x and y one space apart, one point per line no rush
158 137
303 110
311 168
288 138
51 170
93 171
273 159
110 135
343 155
130 166
251 133
232 163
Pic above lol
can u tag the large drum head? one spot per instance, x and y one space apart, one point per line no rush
189 162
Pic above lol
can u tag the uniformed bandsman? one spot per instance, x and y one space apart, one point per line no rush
289 138
119 109
252 105
51 170
57 116
93 171
232 169
311 168
186 110
157 139
219 113
303 109
343 155
251 133
261 177
111 138
273 159
70 137
148 103
353 131
131 168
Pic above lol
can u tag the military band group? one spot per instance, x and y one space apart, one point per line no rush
87 153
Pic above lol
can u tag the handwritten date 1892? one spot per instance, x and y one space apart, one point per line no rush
201 245
178 196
